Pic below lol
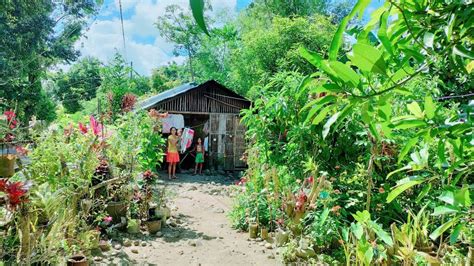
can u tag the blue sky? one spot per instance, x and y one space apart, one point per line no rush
143 44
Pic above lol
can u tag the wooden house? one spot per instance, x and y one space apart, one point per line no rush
213 111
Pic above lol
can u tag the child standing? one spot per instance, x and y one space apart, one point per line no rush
172 156
199 156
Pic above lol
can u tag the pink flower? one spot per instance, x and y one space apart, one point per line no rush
95 126
337 191
22 151
107 219
10 115
83 128
381 190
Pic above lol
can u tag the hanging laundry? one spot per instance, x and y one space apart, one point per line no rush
186 139
206 143
173 120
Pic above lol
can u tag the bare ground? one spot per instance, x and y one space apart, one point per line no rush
199 232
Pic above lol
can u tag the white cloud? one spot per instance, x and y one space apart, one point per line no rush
104 37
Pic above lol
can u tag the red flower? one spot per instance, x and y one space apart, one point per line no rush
13 124
82 128
9 137
310 179
3 184
148 175
95 126
15 192
22 151
10 115
241 182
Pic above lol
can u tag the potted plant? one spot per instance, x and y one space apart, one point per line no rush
117 207
8 126
77 260
153 223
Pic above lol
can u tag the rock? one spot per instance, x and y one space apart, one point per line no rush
305 253
259 239
136 243
219 210
98 258
159 234
206 237
192 243
268 246
221 237
271 256
143 244
192 188
262 244
181 252
134 250
215 194
127 243
117 246
213 183
104 245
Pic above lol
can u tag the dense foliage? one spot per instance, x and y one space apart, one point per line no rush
361 160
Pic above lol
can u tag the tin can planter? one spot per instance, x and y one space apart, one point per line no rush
153 226
7 165
77 260
281 237
253 230
117 210
264 233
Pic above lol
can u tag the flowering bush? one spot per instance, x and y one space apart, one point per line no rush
16 192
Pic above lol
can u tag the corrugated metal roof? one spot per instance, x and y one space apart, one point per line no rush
166 95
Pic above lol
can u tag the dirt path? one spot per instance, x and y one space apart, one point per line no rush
198 233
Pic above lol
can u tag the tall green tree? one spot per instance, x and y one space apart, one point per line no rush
78 84
36 35
178 26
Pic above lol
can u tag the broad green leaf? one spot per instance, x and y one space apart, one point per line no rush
303 85
373 131
441 151
441 210
382 32
320 117
382 234
328 124
423 193
410 143
357 230
323 217
346 111
197 7
405 124
428 39
366 114
430 107
463 52
345 73
338 36
470 67
362 216
319 103
447 196
402 73
415 109
462 197
402 187
448 29
316 60
367 58
455 234
442 228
